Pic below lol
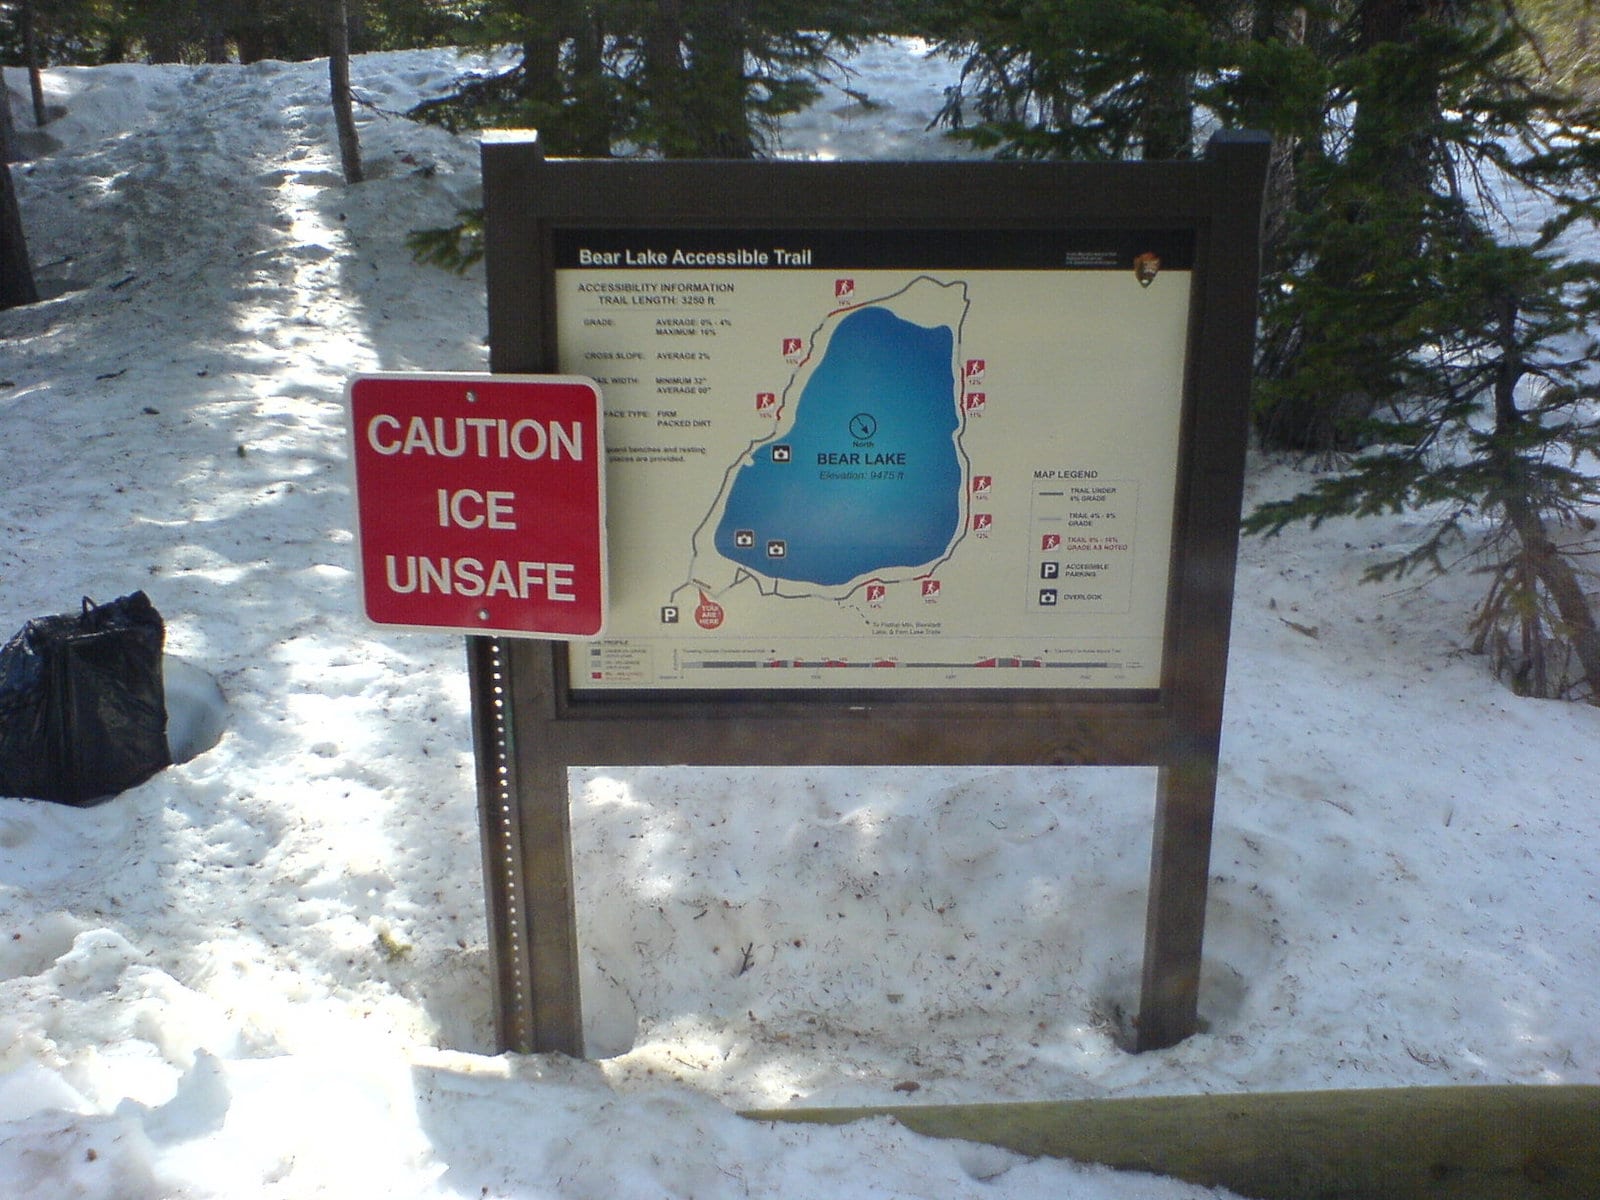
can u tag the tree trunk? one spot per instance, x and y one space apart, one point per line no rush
1395 114
8 128
1536 561
1541 560
1166 120
541 69
30 52
336 15
663 75
718 40
1283 187
249 31
592 109
1373 204
216 34
357 25
16 271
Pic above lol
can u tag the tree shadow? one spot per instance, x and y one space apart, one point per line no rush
176 423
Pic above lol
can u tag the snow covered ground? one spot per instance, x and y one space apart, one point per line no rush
264 972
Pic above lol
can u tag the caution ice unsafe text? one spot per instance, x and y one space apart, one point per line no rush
480 503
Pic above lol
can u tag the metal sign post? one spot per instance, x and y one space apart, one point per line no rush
908 464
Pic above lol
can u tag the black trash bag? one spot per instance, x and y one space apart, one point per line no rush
82 707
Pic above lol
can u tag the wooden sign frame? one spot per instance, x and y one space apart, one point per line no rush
531 724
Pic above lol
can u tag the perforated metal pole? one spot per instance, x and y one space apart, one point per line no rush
527 865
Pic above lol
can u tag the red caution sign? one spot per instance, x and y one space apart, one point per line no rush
480 502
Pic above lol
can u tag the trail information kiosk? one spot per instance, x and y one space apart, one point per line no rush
908 463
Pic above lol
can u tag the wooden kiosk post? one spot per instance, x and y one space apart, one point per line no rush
1123 610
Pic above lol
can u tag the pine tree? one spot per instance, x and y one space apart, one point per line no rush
1458 356
1408 335
558 85
410 24
1085 78
681 78
678 78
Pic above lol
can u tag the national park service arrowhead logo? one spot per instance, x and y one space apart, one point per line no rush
1146 267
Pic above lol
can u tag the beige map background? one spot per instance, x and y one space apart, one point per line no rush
1081 384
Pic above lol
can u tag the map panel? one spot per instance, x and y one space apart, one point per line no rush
904 460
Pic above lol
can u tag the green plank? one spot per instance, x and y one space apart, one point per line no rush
1449 1143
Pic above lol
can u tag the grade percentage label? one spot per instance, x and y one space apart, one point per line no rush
842 462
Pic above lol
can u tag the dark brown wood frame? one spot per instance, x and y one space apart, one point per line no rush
529 727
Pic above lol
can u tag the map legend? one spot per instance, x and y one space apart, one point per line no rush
1083 539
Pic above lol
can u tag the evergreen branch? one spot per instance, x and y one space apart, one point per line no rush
455 247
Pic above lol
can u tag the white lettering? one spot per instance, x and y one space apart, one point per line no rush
372 434
571 437
501 581
560 582
395 585
435 576
539 444
491 509
439 440
499 506
481 437
417 438
481 425
469 577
